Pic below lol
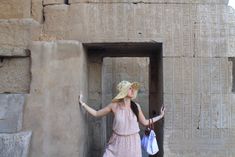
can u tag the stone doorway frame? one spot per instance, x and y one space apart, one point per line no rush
96 52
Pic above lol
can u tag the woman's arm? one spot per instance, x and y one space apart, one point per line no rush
145 121
102 112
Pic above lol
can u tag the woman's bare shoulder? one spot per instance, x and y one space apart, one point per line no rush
113 106
138 105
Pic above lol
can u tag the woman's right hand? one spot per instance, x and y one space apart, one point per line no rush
162 111
80 100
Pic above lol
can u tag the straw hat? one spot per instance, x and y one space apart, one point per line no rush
123 88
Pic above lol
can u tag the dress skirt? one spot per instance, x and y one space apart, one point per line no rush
123 146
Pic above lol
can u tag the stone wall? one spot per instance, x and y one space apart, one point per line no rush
13 140
52 111
15 9
198 38
17 30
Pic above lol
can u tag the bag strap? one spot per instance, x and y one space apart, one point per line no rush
151 125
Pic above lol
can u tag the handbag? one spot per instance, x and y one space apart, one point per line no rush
148 141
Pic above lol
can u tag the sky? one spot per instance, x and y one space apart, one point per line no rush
232 3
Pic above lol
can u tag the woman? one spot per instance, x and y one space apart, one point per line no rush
125 140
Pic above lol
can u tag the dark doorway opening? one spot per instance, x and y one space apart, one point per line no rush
96 54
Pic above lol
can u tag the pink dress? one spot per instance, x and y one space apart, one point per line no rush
125 140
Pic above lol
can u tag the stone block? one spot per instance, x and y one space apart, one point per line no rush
52 112
15 9
17 33
178 75
196 79
216 75
52 2
16 52
153 1
205 75
52 25
15 75
226 76
15 145
37 10
11 112
187 67
168 75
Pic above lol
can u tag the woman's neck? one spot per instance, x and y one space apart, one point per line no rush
127 102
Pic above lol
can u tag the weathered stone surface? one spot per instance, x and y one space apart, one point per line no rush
17 33
15 145
48 2
16 52
37 10
154 1
11 112
52 111
198 30
197 37
15 75
14 9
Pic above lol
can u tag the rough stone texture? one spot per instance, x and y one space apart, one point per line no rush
52 112
50 2
96 126
15 145
15 75
11 112
201 30
18 33
15 9
37 10
153 1
14 52
203 86
197 40
198 36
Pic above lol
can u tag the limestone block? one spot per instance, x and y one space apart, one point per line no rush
52 24
215 75
205 75
199 30
187 65
48 2
37 10
196 79
154 1
168 75
15 145
71 22
231 46
178 75
18 32
51 111
14 52
226 75
15 9
11 111
15 75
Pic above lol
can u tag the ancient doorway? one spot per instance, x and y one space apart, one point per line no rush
109 63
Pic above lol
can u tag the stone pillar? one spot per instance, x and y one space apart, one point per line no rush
52 112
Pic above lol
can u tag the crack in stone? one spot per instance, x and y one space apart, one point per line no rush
199 117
